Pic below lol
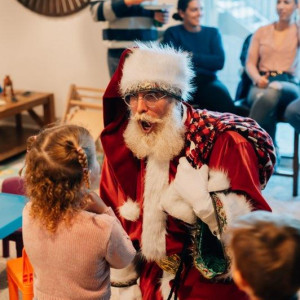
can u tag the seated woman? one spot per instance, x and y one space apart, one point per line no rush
205 45
271 64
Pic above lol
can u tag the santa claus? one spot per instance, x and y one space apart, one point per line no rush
177 177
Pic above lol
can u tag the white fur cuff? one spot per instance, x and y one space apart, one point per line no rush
123 275
234 206
218 181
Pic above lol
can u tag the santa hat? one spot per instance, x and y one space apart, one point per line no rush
157 67
147 67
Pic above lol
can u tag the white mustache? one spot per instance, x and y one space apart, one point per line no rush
144 117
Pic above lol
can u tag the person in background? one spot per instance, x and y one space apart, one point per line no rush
271 64
265 250
126 22
70 235
205 45
245 82
173 173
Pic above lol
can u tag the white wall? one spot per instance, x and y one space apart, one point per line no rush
48 54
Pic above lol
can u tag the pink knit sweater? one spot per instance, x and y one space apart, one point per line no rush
264 53
74 263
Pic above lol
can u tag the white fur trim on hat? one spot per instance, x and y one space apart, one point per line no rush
159 67
130 210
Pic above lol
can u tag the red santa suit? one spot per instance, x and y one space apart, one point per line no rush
158 226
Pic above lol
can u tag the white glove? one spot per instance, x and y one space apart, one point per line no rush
192 186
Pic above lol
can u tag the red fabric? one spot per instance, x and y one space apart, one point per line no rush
234 154
150 281
195 287
123 176
204 127
242 169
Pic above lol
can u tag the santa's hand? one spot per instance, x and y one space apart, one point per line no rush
192 186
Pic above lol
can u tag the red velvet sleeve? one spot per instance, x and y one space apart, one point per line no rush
109 188
113 196
233 154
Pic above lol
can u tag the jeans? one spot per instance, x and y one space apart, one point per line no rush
292 114
269 104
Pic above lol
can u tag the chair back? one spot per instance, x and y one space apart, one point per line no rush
20 277
84 108
27 269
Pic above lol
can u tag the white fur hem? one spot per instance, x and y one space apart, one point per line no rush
154 219
165 284
123 275
130 210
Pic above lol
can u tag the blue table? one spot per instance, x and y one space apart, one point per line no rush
11 208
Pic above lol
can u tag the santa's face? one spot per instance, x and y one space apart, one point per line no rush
158 131
154 105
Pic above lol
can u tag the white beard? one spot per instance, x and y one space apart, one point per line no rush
165 143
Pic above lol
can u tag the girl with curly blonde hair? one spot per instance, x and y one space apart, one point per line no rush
70 235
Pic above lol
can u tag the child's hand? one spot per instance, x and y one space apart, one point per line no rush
95 204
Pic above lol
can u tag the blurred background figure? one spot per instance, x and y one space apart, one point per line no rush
127 21
205 45
271 64
292 114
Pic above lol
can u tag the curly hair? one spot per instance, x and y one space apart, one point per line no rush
57 166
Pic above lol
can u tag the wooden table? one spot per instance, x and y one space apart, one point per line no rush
11 208
13 138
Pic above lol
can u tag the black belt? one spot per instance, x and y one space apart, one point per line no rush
275 73
282 76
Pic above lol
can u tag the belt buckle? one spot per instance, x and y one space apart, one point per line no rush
170 263
275 73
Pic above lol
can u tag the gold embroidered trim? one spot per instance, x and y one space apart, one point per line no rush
169 264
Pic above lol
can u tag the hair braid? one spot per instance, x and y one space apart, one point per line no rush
56 170
82 158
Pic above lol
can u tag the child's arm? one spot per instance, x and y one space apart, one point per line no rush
96 204
120 251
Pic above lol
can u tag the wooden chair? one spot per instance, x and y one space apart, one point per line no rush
84 108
